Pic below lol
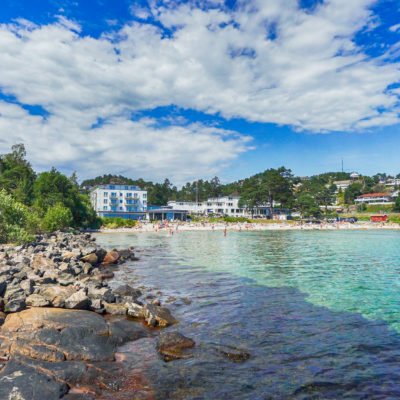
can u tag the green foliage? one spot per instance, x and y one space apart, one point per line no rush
15 220
235 219
16 174
361 207
376 208
273 185
307 204
51 188
57 217
113 223
396 206
354 190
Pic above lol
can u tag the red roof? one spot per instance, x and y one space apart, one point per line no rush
373 195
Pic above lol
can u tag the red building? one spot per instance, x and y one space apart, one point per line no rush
379 218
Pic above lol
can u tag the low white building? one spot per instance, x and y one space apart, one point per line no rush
342 185
125 201
391 182
227 206
374 198
355 176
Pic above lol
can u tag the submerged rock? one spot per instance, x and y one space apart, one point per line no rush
171 344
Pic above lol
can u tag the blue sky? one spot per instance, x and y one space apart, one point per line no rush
193 89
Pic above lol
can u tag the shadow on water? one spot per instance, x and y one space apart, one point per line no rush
298 350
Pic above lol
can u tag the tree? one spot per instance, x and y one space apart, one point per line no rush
16 174
51 188
15 220
57 217
307 205
396 206
352 191
215 187
276 185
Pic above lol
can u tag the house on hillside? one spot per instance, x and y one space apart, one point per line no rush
342 185
355 176
374 198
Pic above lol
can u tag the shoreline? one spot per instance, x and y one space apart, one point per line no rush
178 227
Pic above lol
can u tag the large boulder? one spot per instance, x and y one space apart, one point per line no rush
51 349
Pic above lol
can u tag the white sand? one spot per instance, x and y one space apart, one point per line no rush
243 227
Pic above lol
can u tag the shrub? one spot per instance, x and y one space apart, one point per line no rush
376 208
57 217
14 220
117 222
235 219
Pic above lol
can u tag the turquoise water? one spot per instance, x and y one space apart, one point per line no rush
317 310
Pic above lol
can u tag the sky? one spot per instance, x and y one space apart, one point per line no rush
193 89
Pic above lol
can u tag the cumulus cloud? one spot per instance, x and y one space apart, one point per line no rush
263 61
139 148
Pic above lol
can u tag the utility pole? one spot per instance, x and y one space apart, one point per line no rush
342 165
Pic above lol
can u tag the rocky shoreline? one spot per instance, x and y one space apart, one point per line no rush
61 322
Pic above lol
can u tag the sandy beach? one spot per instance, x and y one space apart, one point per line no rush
176 227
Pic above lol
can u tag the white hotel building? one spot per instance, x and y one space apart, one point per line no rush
125 201
227 205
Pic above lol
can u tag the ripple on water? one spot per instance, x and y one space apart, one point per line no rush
316 311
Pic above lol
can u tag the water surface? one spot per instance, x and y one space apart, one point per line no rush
317 311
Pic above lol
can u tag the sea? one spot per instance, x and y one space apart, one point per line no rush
309 314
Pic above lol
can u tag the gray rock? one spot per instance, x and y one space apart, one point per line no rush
135 310
103 293
3 286
171 345
27 286
158 316
15 305
115 309
78 300
35 300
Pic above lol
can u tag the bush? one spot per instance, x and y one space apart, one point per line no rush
235 219
376 208
15 220
114 223
57 217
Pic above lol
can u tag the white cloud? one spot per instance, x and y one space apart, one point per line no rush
394 28
140 148
265 61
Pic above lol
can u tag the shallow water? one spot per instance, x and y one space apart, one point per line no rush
317 311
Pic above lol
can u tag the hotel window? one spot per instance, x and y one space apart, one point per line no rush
105 201
126 187
105 208
144 195
105 194
112 187
136 195
120 194
144 202
129 195
120 201
121 208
